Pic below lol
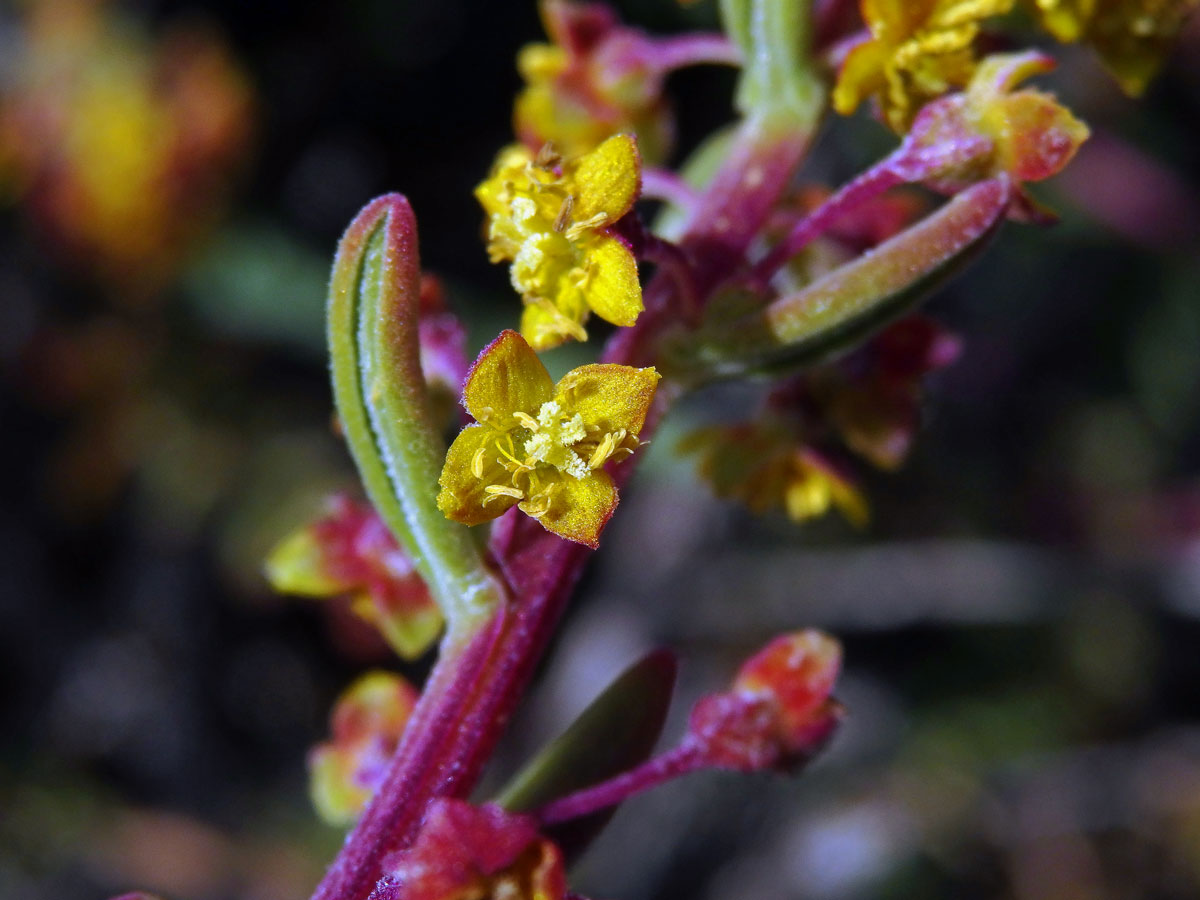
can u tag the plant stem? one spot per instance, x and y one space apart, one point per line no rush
682 760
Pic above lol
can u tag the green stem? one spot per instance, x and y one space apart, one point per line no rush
775 39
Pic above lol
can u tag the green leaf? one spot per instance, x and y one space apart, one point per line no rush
616 732
844 307
383 404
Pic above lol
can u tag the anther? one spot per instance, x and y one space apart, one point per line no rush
527 420
564 213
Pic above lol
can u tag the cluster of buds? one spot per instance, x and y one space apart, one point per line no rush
120 147
817 294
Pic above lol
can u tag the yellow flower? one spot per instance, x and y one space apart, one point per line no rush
550 218
595 79
1130 36
1033 135
367 724
542 446
918 50
766 468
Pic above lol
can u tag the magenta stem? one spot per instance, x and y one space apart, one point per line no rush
683 760
674 263
660 184
694 49
865 187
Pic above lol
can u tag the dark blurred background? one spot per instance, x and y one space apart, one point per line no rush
1020 618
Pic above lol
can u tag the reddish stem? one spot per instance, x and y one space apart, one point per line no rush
694 49
660 184
867 186
684 759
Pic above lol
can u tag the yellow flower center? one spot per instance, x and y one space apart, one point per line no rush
553 437
553 444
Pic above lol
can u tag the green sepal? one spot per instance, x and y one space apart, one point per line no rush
842 308
616 732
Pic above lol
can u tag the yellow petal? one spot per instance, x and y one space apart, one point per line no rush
545 326
462 496
507 378
580 508
337 799
608 179
613 290
860 76
609 395
297 566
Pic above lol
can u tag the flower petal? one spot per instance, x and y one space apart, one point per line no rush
545 326
609 395
580 508
609 179
462 496
613 290
507 378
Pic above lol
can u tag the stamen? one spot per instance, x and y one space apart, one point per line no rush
499 490
527 420
547 157
579 228
564 213
602 452
477 462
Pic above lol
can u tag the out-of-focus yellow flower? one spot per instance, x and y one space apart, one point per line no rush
1033 134
597 78
551 218
1131 36
1026 134
350 552
367 723
540 446
766 468
465 852
918 50
120 146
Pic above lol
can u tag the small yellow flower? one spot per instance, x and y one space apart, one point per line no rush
1130 36
367 724
550 218
1033 135
595 79
766 468
918 50
541 446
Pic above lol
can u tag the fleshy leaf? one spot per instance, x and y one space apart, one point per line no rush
616 732
383 405
838 310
